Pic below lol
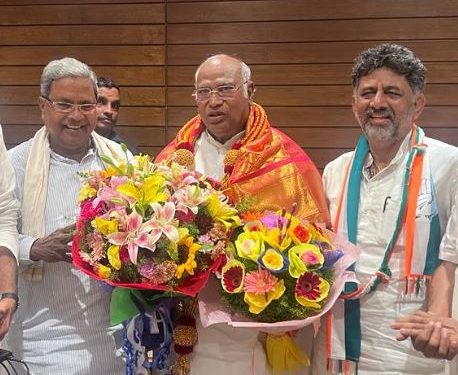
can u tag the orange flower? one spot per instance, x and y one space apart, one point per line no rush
251 216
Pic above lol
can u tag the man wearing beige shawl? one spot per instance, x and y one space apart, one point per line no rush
62 325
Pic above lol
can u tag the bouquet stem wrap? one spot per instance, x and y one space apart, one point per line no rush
283 354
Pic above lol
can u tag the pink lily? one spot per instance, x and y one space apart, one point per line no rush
109 192
189 198
162 220
136 235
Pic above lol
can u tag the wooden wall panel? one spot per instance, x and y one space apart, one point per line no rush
93 55
299 31
84 34
75 14
123 40
300 53
306 53
274 10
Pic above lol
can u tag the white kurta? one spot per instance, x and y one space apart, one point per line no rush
8 205
62 324
221 349
378 208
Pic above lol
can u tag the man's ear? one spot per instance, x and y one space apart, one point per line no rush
250 89
41 104
419 105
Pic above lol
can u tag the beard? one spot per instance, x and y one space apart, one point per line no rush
381 133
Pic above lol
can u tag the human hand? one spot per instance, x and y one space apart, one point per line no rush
7 308
54 247
433 335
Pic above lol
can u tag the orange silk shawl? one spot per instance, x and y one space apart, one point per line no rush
270 169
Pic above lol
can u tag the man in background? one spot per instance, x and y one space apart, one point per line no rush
108 104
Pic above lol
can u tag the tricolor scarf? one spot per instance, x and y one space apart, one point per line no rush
422 239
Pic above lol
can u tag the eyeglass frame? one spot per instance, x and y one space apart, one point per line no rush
215 90
72 108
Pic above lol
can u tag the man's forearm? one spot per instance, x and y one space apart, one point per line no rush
440 291
8 274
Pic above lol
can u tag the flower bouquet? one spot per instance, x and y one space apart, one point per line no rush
281 274
150 227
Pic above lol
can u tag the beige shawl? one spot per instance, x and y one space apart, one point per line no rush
36 188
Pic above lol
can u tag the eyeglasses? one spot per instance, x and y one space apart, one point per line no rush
224 92
64 107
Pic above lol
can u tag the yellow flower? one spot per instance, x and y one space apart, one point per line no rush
86 192
143 163
102 271
222 212
272 237
110 171
273 261
105 226
113 257
303 258
190 265
258 302
152 190
254 226
249 245
311 289
317 235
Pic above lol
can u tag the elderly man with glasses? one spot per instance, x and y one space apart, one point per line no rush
62 324
232 141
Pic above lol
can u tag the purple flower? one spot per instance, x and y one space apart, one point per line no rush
272 220
331 257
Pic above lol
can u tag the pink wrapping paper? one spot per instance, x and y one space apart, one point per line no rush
213 310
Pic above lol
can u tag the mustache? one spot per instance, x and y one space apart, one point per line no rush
104 118
386 112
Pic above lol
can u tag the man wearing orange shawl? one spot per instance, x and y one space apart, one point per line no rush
232 141
262 163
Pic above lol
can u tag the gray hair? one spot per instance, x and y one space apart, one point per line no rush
397 58
63 68
244 68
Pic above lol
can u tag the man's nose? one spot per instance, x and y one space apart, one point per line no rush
214 99
106 109
379 100
76 114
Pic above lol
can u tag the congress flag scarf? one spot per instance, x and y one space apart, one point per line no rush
422 239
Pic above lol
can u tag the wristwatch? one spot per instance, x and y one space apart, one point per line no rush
11 295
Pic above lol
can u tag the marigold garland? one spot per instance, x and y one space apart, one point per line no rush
185 335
